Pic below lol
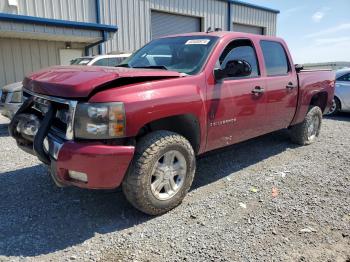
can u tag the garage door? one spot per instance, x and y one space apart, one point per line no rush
169 24
248 29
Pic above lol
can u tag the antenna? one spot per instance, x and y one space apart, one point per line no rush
209 30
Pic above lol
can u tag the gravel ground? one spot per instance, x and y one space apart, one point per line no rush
265 199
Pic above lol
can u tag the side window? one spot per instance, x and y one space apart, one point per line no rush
276 61
101 62
345 77
241 50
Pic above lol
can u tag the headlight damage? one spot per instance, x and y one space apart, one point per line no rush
17 97
99 120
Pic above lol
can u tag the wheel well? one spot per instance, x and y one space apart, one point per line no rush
186 125
320 100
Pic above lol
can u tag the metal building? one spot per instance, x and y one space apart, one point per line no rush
39 33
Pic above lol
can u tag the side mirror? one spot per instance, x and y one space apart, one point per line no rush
298 67
234 68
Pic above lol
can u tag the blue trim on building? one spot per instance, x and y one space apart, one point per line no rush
55 22
87 48
229 13
237 2
98 21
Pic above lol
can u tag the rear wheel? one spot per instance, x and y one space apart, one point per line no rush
161 173
306 132
335 108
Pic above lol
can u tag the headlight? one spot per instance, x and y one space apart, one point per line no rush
99 120
16 97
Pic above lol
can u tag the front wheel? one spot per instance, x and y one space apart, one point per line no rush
306 132
161 173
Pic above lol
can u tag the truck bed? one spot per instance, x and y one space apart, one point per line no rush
311 82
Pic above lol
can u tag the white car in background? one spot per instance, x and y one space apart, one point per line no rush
11 97
341 102
100 60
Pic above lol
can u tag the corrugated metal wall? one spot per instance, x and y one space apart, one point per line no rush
134 18
19 57
256 17
74 10
44 32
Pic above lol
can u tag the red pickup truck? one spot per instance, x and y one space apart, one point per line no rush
142 124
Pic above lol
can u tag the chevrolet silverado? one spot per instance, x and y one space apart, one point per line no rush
141 125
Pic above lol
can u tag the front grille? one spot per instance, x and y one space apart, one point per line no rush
62 125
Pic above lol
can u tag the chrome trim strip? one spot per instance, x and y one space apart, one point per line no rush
51 98
72 107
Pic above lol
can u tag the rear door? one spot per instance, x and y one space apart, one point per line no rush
235 113
281 85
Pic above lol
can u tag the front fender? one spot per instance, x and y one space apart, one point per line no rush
147 102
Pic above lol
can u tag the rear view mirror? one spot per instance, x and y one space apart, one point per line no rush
234 68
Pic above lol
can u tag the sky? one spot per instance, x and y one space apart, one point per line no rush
315 30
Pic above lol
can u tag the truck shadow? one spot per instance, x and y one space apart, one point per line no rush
226 161
38 218
345 117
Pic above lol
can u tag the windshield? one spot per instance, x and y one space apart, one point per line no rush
184 54
81 61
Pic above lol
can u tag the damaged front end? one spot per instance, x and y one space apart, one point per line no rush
42 125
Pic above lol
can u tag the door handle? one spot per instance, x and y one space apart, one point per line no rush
258 90
290 85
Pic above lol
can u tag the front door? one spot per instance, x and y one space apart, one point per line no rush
236 105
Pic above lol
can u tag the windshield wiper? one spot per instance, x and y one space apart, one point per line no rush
153 67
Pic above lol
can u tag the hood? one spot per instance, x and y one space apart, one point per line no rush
12 87
81 81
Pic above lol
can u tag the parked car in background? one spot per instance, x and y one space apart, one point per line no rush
142 124
341 101
100 60
10 99
11 95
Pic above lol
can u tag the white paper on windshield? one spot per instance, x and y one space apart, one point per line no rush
198 42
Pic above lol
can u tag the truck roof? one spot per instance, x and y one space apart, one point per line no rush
229 34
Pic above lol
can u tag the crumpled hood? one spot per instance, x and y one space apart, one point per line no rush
80 81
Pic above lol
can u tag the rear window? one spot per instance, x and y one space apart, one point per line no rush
276 61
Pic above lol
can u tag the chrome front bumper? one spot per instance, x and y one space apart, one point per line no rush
53 145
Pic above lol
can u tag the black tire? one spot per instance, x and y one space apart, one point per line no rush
336 109
300 133
138 180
